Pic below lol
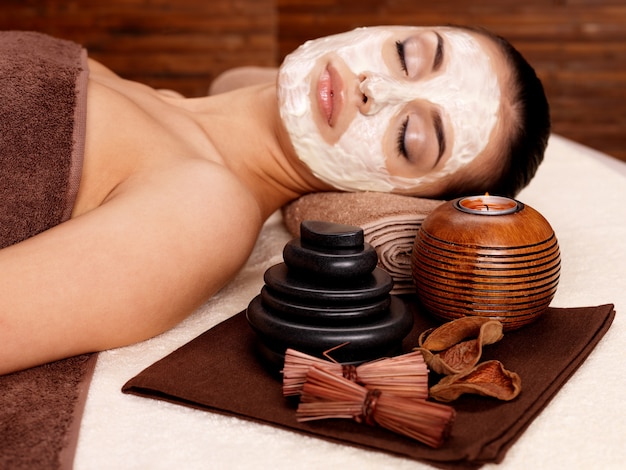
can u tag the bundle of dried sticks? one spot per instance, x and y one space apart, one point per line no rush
405 375
326 395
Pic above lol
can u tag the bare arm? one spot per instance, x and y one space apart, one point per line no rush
126 271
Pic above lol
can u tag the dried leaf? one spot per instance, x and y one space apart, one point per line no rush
489 378
455 331
458 344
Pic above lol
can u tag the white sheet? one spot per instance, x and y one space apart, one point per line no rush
583 195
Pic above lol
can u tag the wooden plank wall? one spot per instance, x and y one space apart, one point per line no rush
578 48
176 44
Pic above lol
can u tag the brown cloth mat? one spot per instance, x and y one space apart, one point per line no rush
40 413
219 371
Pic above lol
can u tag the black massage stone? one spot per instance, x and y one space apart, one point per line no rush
330 262
328 293
330 250
361 341
331 235
292 283
323 313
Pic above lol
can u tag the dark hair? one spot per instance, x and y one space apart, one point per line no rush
528 136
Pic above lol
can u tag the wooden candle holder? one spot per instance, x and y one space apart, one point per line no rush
486 256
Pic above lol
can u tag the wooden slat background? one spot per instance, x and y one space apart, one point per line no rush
176 44
578 47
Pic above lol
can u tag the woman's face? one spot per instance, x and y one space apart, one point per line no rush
390 108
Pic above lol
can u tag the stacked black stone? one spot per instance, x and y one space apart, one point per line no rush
328 293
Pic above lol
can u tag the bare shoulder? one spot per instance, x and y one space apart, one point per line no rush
97 68
200 201
165 242
190 228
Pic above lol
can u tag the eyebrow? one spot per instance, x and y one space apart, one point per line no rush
438 60
441 137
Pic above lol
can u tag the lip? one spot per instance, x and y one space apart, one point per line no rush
330 94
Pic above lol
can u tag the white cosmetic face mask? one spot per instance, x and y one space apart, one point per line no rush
467 93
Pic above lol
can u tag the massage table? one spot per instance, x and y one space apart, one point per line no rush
581 192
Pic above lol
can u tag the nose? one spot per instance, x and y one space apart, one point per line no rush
365 106
378 90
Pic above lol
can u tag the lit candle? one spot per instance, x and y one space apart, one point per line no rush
488 205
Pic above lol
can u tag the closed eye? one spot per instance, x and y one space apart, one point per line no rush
400 142
400 49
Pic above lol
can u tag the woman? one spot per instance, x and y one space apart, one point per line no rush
173 192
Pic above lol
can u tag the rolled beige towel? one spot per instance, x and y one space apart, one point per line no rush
389 221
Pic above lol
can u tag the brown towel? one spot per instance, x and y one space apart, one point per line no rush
219 371
42 126
389 221
40 413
